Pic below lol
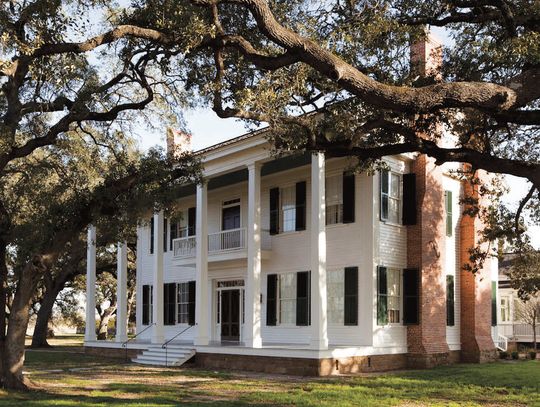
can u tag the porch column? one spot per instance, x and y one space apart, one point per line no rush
121 293
201 266
157 306
253 285
90 326
319 336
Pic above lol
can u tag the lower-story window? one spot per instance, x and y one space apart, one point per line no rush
388 295
147 301
183 303
335 286
287 298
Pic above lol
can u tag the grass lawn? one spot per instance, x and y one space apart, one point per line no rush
99 381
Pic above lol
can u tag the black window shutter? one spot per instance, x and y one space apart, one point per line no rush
450 318
191 299
351 296
192 221
348 197
301 205
411 296
409 199
448 205
146 304
302 298
271 299
493 303
382 301
173 234
384 189
169 303
274 211
165 230
152 235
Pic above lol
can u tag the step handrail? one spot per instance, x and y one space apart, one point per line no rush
166 343
125 344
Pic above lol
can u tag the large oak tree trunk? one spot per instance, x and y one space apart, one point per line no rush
105 317
13 357
3 294
39 337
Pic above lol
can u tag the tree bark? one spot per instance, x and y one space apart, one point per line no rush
13 357
104 322
39 337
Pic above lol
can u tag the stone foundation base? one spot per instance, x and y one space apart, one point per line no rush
111 352
479 356
301 366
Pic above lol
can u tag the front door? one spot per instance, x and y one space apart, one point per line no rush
230 315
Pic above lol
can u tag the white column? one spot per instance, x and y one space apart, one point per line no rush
157 306
319 338
253 286
121 293
90 327
201 265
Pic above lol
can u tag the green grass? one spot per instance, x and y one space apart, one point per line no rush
112 383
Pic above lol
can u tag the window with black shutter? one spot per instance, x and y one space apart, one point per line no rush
192 297
351 296
271 299
146 304
192 221
384 194
448 207
411 296
409 199
301 205
450 318
382 299
274 211
348 197
152 235
169 304
165 230
303 298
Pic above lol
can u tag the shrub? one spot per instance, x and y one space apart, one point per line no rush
532 354
503 354
515 355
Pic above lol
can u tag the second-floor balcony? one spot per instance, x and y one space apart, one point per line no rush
226 241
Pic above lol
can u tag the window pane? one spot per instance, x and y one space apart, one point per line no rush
335 300
394 186
288 208
287 298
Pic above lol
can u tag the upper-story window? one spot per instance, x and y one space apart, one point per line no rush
391 196
334 199
288 208
505 309
184 225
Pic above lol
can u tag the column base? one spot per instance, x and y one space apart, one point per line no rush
201 341
319 344
121 339
253 343
90 338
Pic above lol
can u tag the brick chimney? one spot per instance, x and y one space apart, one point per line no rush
427 57
178 142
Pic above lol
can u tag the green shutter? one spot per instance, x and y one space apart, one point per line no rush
494 303
351 296
448 205
382 301
450 302
411 296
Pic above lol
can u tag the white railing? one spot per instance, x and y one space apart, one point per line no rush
184 246
227 240
219 242
518 330
501 342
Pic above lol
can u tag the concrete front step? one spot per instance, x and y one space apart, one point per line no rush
157 356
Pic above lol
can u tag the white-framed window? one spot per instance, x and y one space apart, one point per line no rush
505 309
394 295
183 303
287 299
288 208
391 196
334 199
335 287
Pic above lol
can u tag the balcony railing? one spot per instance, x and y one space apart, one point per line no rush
219 242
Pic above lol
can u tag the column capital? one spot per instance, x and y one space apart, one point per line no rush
254 165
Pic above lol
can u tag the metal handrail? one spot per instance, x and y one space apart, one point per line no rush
125 344
166 343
